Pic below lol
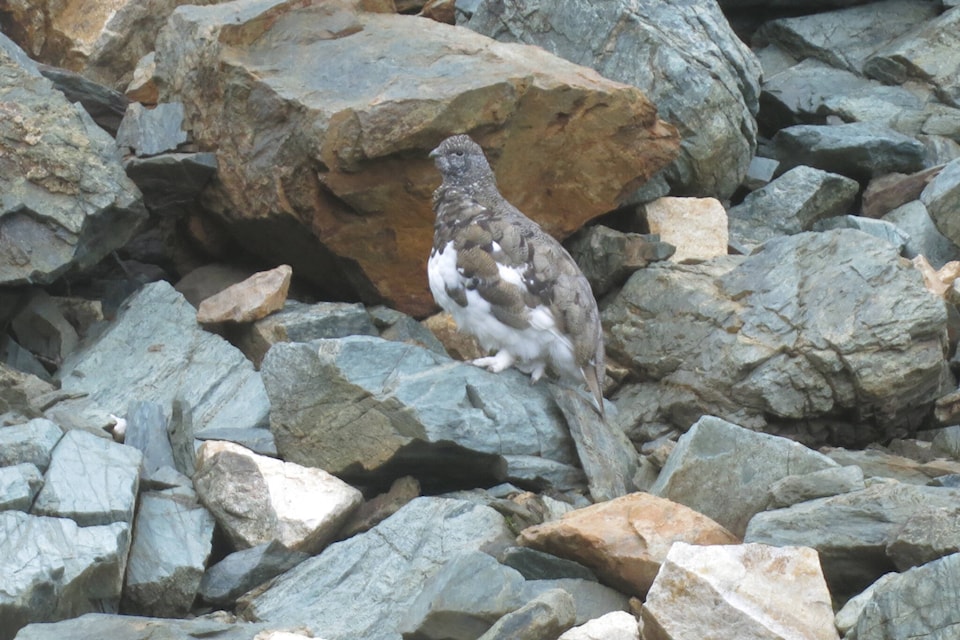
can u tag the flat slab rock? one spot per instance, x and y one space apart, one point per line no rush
100 626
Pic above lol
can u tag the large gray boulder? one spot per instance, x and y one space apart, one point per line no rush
67 202
370 408
98 626
682 54
52 569
725 472
157 351
864 534
377 575
814 325
942 199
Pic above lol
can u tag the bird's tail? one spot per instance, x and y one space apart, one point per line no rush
592 375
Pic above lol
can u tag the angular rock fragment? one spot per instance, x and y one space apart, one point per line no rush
19 485
697 227
31 442
253 299
243 570
617 625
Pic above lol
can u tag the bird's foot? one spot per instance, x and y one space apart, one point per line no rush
537 373
496 363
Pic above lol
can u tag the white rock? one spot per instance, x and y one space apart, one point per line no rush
618 625
747 592
697 227
257 499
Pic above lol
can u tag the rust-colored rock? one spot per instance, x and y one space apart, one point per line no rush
322 117
886 193
459 345
256 297
625 540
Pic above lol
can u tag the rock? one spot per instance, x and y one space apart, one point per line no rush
460 346
20 359
760 172
244 570
893 190
42 328
790 204
463 599
97 626
742 591
886 231
385 568
171 182
545 616
19 485
209 279
399 327
537 565
616 625
395 409
684 56
928 535
606 454
925 238
301 322
765 338
377 509
624 541
607 257
853 532
919 603
881 464
848 614
938 281
70 490
104 105
256 499
149 132
253 299
310 198
172 538
156 350
67 202
815 484
845 38
946 441
591 599
858 150
927 54
741 464
147 431
23 397
697 227
942 198
31 442
54 569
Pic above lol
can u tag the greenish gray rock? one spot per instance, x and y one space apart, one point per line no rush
682 54
860 535
607 257
546 616
157 350
790 204
147 431
815 325
724 471
923 602
172 538
942 199
104 105
924 237
858 150
243 570
53 569
882 229
815 484
98 626
590 599
399 327
370 408
149 132
172 182
31 442
946 441
384 568
19 485
91 480
66 202
537 565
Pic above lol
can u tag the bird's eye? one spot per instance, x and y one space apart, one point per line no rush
459 154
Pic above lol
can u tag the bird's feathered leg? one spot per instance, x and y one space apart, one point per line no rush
503 360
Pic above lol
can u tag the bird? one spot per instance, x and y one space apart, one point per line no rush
506 281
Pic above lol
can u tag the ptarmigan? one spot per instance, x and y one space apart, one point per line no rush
506 281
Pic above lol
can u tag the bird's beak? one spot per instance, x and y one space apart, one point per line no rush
435 153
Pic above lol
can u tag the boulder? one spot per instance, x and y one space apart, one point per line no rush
31 442
683 55
616 625
815 484
384 568
244 570
625 540
97 626
740 464
814 325
372 410
156 350
861 535
920 603
790 204
253 299
171 182
749 591
257 499
311 198
538 565
697 227
42 328
19 485
172 539
607 257
54 569
942 199
924 237
70 490
104 105
886 231
67 201
545 616
893 190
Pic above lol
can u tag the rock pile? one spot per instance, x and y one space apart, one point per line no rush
224 410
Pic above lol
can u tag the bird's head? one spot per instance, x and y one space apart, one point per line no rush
461 161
